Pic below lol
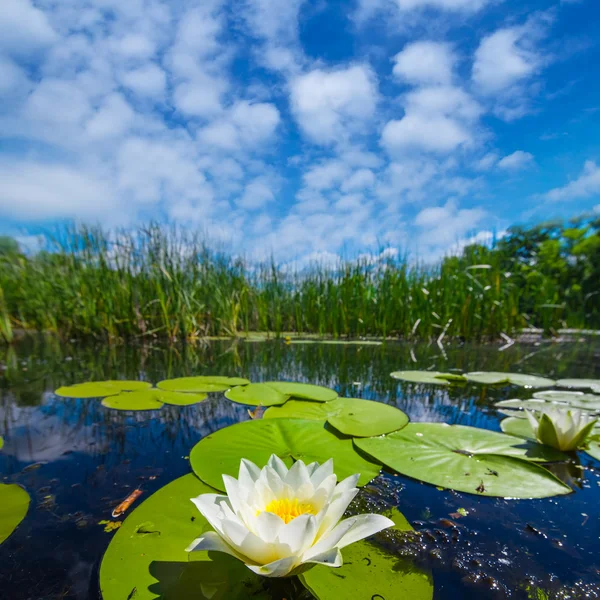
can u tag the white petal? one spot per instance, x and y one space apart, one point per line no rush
329 558
322 472
278 466
330 540
211 541
267 526
335 511
347 484
299 533
532 421
249 473
247 543
363 527
277 568
209 506
297 476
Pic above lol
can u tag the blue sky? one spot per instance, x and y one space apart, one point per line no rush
307 129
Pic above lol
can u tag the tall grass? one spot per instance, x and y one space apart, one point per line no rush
166 283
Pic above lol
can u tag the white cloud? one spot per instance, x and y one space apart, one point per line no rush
441 227
585 186
368 9
332 105
361 179
24 29
431 133
437 119
36 191
134 46
425 62
244 126
506 63
112 119
501 60
516 161
486 162
148 81
58 101
257 194
326 175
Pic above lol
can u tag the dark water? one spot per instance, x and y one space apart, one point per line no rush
78 460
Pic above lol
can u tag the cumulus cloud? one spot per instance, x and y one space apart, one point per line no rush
587 185
332 105
425 62
516 161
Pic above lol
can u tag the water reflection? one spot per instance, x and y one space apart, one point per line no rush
78 459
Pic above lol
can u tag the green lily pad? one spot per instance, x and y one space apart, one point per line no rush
350 416
128 386
144 400
291 439
256 394
91 389
466 459
369 572
14 504
204 383
178 398
578 383
146 559
303 391
522 428
573 399
541 404
497 378
1 442
428 377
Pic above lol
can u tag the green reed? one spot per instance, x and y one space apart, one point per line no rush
167 283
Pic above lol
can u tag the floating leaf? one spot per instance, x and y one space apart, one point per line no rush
350 416
578 383
147 560
256 394
1 442
128 386
91 389
428 377
522 428
145 400
476 461
14 504
369 572
303 391
204 383
497 378
298 439
540 404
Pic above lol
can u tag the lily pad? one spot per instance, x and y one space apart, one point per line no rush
128 386
256 394
291 439
147 560
91 389
497 378
178 398
145 400
303 391
540 404
578 383
1 442
204 383
370 572
435 377
466 459
522 428
350 416
14 504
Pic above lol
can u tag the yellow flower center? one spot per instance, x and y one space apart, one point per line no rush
289 508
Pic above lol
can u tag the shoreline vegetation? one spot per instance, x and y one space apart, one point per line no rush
158 282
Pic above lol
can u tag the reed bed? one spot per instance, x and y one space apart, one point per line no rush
159 282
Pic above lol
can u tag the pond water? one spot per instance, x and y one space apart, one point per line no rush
78 460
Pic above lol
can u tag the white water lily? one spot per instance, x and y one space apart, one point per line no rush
562 429
281 521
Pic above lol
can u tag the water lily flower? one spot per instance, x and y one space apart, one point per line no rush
281 521
562 429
